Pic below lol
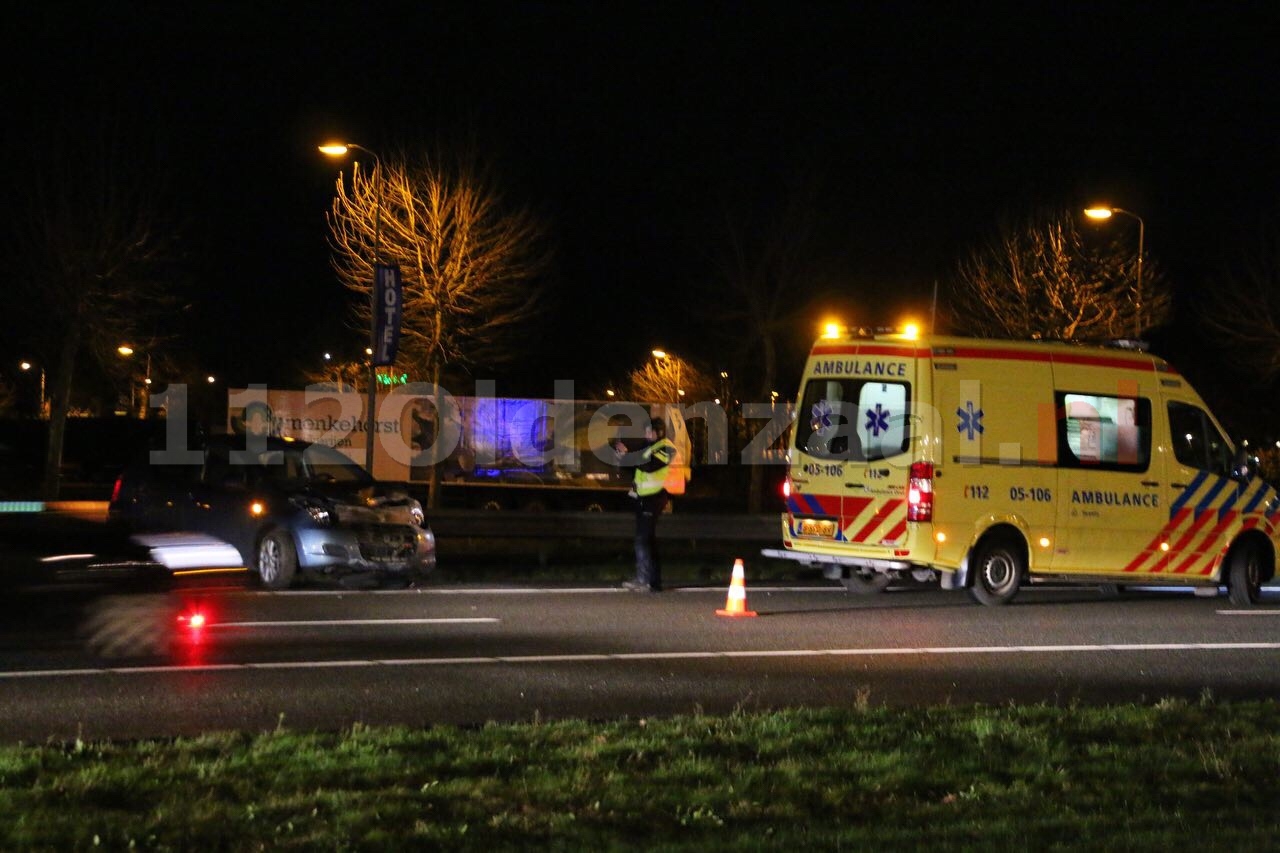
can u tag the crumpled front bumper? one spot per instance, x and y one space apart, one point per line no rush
400 551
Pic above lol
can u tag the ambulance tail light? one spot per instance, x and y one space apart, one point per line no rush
920 492
786 488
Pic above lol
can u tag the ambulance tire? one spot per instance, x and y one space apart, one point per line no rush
865 583
999 564
1244 579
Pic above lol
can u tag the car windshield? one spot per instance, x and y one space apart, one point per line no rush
314 463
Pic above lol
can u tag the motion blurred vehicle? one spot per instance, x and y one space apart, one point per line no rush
292 510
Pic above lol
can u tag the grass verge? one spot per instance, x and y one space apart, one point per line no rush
1169 775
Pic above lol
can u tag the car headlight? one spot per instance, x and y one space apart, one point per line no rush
321 513
416 513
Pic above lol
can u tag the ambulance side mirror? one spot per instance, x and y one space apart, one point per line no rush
1243 466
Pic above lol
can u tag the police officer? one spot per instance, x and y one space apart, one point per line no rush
651 498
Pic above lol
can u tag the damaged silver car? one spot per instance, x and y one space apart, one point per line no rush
292 509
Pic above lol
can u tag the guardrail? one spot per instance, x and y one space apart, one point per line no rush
602 525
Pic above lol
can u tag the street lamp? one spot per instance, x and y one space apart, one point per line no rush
340 149
1104 212
26 365
126 351
661 356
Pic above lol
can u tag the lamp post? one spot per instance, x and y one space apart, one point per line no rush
340 149
661 356
127 351
1104 212
26 365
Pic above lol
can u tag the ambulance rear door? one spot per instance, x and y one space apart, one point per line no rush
851 454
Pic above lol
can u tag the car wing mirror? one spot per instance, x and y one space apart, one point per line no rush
1243 466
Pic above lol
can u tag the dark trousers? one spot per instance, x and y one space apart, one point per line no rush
648 569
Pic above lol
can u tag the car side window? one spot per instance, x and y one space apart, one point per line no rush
218 470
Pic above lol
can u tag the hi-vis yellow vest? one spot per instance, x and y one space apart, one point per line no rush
652 482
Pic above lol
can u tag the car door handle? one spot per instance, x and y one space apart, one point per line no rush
1151 484
1178 485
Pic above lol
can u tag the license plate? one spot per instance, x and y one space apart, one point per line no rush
818 527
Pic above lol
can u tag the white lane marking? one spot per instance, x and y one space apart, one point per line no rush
654 656
313 623
1249 612
532 590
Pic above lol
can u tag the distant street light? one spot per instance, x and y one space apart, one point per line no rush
26 365
340 149
1103 212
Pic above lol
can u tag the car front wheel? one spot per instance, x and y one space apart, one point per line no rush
277 561
1244 579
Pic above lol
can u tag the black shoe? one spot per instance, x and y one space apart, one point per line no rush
636 586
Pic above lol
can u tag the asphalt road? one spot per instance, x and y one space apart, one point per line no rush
93 667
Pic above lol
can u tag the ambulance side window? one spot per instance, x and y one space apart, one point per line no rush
1197 443
1104 432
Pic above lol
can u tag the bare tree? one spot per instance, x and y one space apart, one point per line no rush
1243 309
670 379
1045 280
338 375
467 262
91 246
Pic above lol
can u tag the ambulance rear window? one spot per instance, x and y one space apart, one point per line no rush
854 420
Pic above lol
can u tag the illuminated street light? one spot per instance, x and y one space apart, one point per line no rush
127 351
340 149
26 365
661 356
1104 212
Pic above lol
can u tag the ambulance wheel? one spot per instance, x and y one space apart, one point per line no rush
865 583
1244 580
998 566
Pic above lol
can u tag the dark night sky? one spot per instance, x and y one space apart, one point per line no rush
631 125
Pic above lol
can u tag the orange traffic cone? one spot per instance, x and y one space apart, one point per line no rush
736 605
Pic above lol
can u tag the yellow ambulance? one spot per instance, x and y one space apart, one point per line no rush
994 464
